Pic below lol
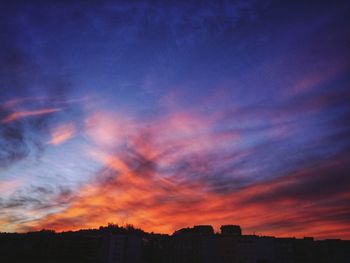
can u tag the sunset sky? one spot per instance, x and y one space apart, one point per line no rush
167 115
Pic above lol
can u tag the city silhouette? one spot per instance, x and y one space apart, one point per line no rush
200 244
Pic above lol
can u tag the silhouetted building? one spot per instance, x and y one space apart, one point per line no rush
231 230
204 229
200 229
198 244
122 248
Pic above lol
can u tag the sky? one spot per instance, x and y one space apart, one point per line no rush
172 114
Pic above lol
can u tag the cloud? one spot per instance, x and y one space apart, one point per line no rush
315 183
178 171
137 194
189 167
10 185
25 203
12 142
62 132
22 114
26 122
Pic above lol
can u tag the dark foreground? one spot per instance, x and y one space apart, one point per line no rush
191 245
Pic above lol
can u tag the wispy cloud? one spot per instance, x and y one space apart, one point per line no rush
23 114
180 170
62 132
132 191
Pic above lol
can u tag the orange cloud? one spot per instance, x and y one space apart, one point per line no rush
133 188
62 133
141 196
22 114
162 179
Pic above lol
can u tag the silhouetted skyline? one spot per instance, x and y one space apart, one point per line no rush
115 244
229 229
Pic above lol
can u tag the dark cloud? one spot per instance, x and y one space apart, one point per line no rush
37 199
17 140
13 146
26 202
323 181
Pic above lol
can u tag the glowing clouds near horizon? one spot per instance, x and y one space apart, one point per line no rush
244 166
161 176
